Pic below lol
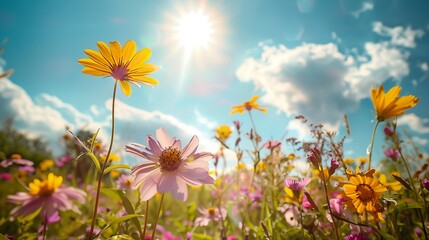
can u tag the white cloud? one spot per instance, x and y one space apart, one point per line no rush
420 141
415 123
204 120
366 6
94 110
400 36
48 116
424 67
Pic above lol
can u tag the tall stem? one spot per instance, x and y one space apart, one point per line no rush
100 177
45 226
327 199
372 145
145 220
157 216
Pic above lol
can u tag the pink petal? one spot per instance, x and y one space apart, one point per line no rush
190 148
141 154
181 193
203 156
148 182
196 176
73 193
143 168
141 177
167 182
19 198
163 138
177 144
154 146
28 208
195 164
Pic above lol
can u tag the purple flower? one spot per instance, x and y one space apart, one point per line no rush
16 159
425 183
271 144
314 157
392 153
297 185
48 195
388 131
27 169
170 168
210 214
356 236
237 124
334 166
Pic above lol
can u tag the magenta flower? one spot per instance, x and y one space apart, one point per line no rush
334 166
425 183
392 153
296 185
16 159
271 144
6 176
47 195
388 131
170 168
356 236
210 214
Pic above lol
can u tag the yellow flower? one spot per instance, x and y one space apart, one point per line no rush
249 105
348 161
123 64
112 157
45 187
363 191
395 186
45 164
223 132
115 174
389 104
241 166
362 160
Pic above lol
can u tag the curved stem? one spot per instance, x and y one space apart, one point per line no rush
100 177
372 145
145 220
157 216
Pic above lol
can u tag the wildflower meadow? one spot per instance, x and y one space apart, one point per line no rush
249 186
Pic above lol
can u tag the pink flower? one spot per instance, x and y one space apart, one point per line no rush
425 183
210 214
271 144
170 168
125 182
6 176
392 153
48 195
388 131
296 185
334 166
305 203
27 169
356 236
16 159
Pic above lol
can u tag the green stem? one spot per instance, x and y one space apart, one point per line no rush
372 145
327 199
145 220
415 192
100 177
157 216
45 226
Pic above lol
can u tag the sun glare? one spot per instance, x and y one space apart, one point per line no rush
194 30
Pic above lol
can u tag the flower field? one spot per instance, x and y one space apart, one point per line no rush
179 191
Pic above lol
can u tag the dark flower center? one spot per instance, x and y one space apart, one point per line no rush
170 159
212 212
365 192
119 72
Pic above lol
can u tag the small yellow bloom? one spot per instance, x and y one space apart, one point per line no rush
112 158
45 187
389 104
249 105
45 164
261 167
395 186
362 160
348 161
223 132
291 156
115 174
241 166
123 64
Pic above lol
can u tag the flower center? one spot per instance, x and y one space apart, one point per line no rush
119 72
365 192
46 187
170 159
211 212
248 106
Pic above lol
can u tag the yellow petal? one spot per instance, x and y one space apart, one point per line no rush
116 51
105 52
145 80
95 72
129 51
90 63
141 57
97 57
126 87
253 99
143 69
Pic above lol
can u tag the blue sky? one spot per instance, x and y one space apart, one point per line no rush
310 57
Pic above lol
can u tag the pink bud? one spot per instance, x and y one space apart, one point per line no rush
334 165
388 131
425 183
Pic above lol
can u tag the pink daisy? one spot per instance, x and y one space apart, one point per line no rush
125 182
170 168
16 159
210 214
48 195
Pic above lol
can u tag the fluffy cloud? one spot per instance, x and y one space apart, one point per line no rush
400 36
366 6
47 117
415 123
318 81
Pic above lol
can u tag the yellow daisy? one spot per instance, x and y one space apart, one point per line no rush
123 64
364 191
249 105
223 132
389 104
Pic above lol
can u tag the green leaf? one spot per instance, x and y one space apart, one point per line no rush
93 140
95 160
405 205
3 237
116 166
383 234
130 210
112 193
402 181
118 220
199 236
121 237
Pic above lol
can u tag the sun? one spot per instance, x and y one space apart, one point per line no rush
194 30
